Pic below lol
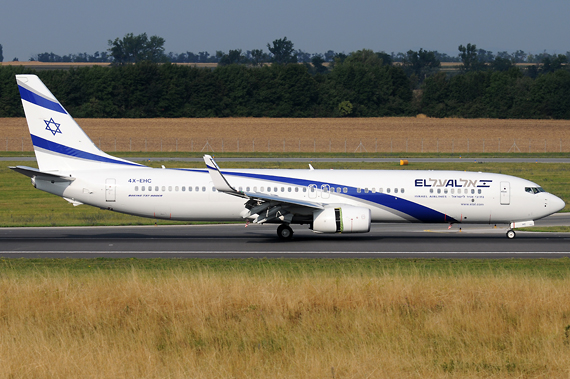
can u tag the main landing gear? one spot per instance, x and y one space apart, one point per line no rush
511 234
284 232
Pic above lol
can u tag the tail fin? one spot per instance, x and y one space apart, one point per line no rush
59 143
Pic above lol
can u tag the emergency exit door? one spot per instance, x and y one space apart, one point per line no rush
110 190
505 193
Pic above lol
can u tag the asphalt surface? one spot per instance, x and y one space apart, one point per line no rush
257 241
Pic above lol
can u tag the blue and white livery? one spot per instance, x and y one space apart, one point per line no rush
70 165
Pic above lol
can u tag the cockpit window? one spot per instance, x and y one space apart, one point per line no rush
534 190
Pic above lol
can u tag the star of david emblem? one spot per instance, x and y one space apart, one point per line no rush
56 125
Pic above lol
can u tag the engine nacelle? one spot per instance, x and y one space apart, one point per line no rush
345 219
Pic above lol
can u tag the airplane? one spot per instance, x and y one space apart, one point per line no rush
70 165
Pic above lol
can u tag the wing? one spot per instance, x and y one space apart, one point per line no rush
267 207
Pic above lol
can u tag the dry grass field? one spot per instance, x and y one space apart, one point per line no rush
270 324
406 134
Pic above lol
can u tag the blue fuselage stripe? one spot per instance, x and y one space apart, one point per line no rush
415 210
66 150
33 98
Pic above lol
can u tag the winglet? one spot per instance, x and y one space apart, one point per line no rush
218 179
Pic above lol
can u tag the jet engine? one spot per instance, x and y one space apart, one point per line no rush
343 219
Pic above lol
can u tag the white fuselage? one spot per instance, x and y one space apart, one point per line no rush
391 196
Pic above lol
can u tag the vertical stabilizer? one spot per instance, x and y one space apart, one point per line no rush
59 143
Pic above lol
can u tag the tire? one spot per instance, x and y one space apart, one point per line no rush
511 234
284 232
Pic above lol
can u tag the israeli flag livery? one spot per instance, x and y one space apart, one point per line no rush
59 143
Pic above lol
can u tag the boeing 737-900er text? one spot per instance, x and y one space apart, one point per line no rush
329 201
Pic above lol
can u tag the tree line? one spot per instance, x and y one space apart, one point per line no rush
359 85
135 48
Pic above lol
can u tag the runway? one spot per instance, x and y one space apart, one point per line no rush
259 241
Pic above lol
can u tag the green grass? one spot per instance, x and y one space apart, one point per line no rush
295 268
22 205
404 155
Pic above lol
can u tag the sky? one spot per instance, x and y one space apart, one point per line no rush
29 27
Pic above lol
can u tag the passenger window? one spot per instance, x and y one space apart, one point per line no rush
387 190
296 189
431 190
170 188
466 191
268 189
366 190
183 189
402 190
380 190
275 189
358 190
345 190
282 189
142 188
240 189
189 189
213 189
262 189
479 191
304 189
247 189
255 189
163 188
150 188
289 189
312 189
156 188
472 191
395 190
176 188
197 189
445 190
373 190
136 188
452 191
203 189
439 190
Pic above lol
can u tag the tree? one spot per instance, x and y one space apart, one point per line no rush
258 57
468 55
317 62
519 56
134 49
501 64
421 63
233 57
553 63
282 51
1 54
365 57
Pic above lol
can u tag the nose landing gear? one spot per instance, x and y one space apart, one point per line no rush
284 232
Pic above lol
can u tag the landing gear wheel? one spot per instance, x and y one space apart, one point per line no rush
284 232
511 234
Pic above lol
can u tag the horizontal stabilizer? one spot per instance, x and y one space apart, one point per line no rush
35 173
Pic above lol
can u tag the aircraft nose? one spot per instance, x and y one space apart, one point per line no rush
557 203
